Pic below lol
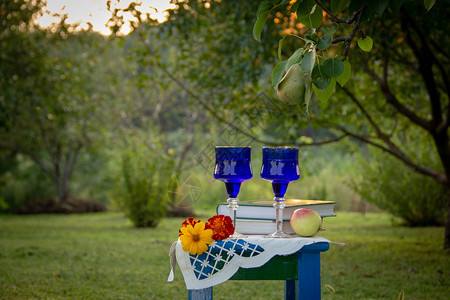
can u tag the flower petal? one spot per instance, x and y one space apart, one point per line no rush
202 247
206 236
193 249
186 242
190 229
200 226
185 230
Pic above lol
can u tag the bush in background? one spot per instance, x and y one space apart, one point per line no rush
21 181
146 175
71 206
394 187
25 189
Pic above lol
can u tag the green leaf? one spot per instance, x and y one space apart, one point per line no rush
280 45
311 37
345 76
395 5
262 14
265 5
429 3
322 83
338 5
321 80
305 7
310 14
332 67
313 20
325 94
294 6
284 2
295 58
324 42
308 60
377 6
365 44
354 6
308 94
316 74
278 73
303 110
330 30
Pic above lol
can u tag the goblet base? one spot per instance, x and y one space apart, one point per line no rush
279 235
237 235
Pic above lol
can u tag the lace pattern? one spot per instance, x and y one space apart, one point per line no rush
224 258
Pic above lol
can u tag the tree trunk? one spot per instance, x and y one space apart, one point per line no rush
447 221
63 189
441 140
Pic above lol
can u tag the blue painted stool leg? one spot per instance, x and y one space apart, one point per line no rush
203 294
309 276
290 289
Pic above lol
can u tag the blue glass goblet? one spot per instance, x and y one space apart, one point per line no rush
280 166
233 166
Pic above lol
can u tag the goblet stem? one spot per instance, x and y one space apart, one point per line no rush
233 206
279 206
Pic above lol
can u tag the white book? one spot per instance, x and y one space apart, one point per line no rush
249 226
264 210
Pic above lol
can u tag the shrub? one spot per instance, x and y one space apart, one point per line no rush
146 175
392 186
20 182
51 205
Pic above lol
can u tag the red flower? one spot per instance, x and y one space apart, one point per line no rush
222 227
191 222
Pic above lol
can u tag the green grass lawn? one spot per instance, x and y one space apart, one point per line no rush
100 256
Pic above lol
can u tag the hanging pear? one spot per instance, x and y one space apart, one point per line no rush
291 89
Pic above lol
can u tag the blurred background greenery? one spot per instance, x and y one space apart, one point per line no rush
128 122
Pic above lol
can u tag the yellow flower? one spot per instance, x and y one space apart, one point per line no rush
196 238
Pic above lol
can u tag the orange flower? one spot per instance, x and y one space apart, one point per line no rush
191 222
187 222
195 239
222 227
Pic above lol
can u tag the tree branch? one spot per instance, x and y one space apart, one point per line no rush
439 177
391 148
369 118
356 17
74 159
44 135
319 143
425 58
336 19
402 59
394 127
438 48
385 69
355 28
341 39
391 99
43 165
380 134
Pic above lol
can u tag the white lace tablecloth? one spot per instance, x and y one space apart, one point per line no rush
224 258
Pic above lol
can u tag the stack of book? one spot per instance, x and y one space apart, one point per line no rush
258 216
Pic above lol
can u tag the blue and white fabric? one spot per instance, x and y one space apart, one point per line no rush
224 258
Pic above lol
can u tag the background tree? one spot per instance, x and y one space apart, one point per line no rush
52 99
408 67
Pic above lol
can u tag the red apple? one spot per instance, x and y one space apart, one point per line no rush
306 222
